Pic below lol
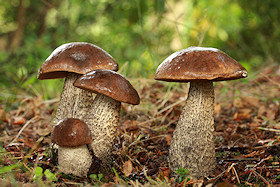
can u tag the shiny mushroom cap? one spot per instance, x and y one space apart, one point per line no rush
199 63
71 132
109 83
77 57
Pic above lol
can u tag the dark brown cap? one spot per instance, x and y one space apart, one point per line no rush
109 83
77 57
71 132
199 63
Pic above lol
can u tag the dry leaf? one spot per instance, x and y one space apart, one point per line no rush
168 139
165 171
250 101
127 168
217 108
270 112
2 114
238 103
19 120
242 114
262 111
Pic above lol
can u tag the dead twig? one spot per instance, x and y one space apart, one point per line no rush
170 106
261 177
26 124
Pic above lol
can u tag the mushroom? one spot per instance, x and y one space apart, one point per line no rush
72 136
192 145
71 60
103 117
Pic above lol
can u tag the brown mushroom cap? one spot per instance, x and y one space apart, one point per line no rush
71 132
109 83
199 63
77 57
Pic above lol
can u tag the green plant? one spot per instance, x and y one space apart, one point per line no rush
183 174
97 178
39 173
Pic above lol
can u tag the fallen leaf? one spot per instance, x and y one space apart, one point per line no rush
165 171
19 120
168 139
127 168
242 114
217 108
270 112
2 114
250 101
262 110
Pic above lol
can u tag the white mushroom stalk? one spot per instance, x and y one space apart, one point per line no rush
192 145
74 160
74 102
103 119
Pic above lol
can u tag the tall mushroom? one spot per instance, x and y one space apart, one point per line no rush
72 60
72 136
111 89
192 146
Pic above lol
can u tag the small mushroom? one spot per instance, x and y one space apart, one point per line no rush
72 60
192 145
72 136
103 117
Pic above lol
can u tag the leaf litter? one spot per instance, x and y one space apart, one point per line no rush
247 136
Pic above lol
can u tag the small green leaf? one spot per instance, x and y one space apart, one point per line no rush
93 176
51 176
7 169
38 172
182 171
100 176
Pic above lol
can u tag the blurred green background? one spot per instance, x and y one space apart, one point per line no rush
139 34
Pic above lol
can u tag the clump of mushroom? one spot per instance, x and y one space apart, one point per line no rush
104 114
72 136
192 145
72 60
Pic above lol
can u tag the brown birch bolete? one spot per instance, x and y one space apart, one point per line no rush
111 89
72 60
192 145
72 136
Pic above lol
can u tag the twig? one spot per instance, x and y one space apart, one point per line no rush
270 129
148 121
26 124
51 101
229 168
170 106
262 178
122 68
134 143
271 80
267 158
234 170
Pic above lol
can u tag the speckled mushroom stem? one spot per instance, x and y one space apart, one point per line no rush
74 102
102 120
192 146
76 160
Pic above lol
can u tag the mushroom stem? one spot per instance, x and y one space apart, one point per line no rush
102 120
74 160
192 146
74 102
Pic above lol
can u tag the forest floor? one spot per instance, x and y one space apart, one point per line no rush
247 137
